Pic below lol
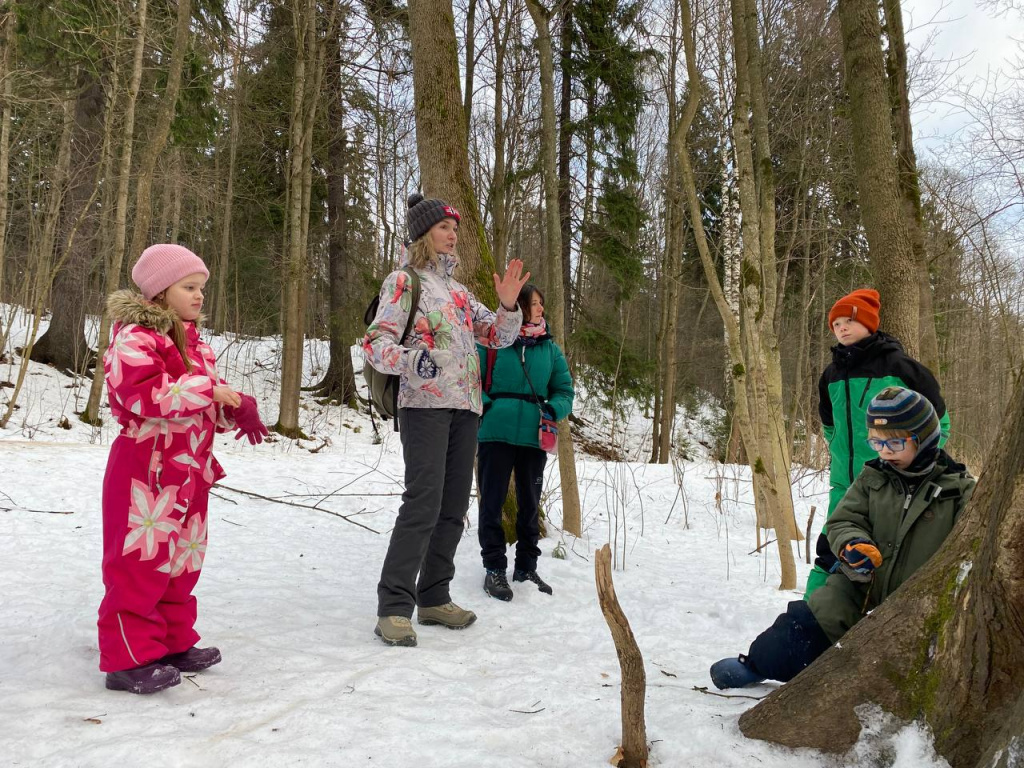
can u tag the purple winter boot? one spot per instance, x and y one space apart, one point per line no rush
193 660
149 678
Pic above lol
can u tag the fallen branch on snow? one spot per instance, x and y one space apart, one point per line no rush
260 496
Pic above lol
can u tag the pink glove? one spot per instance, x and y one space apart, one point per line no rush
247 419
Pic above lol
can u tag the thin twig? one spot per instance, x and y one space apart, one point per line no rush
528 711
260 496
758 549
703 689
40 511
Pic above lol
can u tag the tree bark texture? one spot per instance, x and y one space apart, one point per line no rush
161 130
6 66
441 139
946 648
339 384
113 269
555 299
63 344
910 188
892 257
634 749
565 133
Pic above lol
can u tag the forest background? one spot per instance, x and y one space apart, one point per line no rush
279 141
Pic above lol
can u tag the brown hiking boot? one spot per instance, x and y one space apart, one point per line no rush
447 615
395 630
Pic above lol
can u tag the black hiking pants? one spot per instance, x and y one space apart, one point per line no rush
496 462
438 445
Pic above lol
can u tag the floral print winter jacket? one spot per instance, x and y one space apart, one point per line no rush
449 318
168 411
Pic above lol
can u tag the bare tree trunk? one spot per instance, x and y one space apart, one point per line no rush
571 515
747 369
467 105
633 752
161 130
6 67
220 301
63 345
674 239
892 256
499 208
564 165
441 138
909 188
946 648
309 69
338 384
113 270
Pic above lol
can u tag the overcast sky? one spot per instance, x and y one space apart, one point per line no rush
975 40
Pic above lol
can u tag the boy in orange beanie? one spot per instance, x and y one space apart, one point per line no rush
864 362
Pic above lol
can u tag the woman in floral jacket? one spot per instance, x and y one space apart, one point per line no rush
165 392
439 407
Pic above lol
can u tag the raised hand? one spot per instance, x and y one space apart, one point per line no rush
509 286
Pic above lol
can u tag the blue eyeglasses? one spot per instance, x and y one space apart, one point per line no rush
894 444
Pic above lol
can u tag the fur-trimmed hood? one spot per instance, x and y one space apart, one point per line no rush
128 306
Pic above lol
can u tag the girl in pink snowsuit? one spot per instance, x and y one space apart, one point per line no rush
165 392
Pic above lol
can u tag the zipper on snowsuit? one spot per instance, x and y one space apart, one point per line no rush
865 392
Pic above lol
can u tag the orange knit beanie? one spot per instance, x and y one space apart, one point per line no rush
863 305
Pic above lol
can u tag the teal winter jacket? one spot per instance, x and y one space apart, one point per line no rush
511 414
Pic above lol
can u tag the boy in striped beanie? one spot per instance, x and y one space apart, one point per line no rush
899 416
893 518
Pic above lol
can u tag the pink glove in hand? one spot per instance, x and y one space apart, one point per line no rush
247 419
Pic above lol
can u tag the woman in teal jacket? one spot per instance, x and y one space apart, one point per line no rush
519 383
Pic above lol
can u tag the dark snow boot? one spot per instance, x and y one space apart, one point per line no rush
146 679
734 673
520 575
193 660
496 585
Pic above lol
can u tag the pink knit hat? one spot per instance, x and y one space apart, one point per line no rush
161 266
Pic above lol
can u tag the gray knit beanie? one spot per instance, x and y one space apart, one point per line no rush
423 214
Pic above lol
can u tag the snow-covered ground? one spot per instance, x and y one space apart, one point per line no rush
288 594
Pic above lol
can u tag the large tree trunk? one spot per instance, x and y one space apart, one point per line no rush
555 300
113 269
441 139
63 344
910 189
946 648
892 256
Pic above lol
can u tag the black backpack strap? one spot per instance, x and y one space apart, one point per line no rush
414 280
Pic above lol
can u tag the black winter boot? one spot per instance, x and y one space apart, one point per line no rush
520 575
496 585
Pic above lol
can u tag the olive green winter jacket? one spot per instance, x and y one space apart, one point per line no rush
908 525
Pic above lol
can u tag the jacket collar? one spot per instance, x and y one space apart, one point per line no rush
876 344
129 307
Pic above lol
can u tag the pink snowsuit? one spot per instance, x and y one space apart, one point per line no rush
157 484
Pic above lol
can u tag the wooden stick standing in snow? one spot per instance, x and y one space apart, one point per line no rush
633 751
